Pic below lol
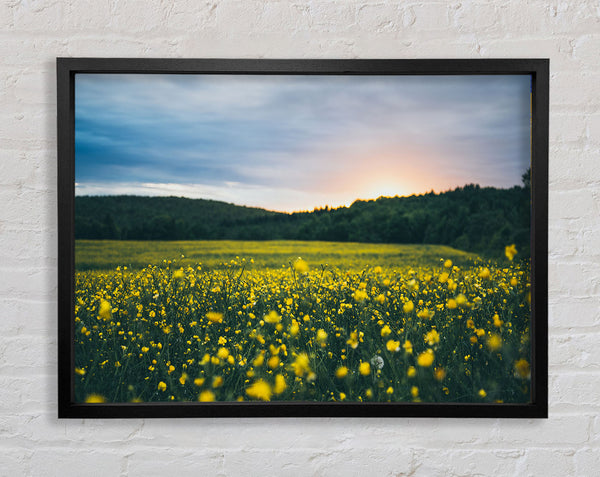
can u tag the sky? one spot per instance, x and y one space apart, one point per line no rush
292 143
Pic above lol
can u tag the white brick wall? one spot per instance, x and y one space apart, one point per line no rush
33 442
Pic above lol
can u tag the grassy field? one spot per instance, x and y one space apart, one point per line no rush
227 321
216 254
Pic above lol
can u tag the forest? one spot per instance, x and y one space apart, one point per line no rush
470 218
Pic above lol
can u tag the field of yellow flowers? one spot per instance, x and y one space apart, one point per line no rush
346 322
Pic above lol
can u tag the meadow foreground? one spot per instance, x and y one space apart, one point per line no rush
232 321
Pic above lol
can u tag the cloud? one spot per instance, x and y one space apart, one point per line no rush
300 137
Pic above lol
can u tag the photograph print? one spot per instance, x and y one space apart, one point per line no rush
302 238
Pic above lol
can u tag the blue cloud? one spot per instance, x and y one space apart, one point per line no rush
295 133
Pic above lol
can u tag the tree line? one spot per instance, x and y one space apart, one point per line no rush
471 218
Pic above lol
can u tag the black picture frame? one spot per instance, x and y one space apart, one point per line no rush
67 68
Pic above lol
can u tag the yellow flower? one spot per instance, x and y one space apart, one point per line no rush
360 295
258 361
206 396
260 389
513 282
443 278
364 369
272 317
425 314
484 273
390 390
178 274
448 263
510 251
145 349
183 378
414 391
408 307
223 353
342 396
222 340
432 337
377 270
425 359
522 369
461 300
162 386
482 393
494 342
273 362
95 398
321 336
341 372
300 266
408 347
353 340
214 317
80 371
439 374
497 321
301 365
217 381
294 328
385 331
199 381
280 384
392 346
411 372
104 311
380 298
451 304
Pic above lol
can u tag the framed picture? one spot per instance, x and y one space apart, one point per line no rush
302 237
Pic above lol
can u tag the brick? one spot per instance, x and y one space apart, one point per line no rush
585 50
472 16
21 395
574 430
44 15
557 48
575 388
432 16
575 351
565 128
15 461
574 166
28 355
333 16
441 462
76 462
587 461
572 278
379 17
188 462
547 462
28 283
567 239
27 317
573 204
593 127
573 313
587 95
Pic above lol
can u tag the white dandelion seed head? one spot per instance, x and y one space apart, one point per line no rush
377 361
